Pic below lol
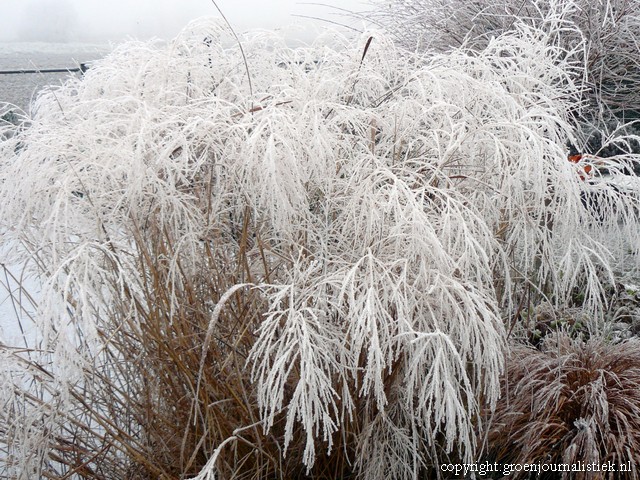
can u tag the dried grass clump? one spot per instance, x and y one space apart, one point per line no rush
305 273
571 402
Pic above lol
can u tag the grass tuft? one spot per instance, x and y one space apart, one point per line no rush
571 402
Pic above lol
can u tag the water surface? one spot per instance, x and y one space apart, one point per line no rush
20 89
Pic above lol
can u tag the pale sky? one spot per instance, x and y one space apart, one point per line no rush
115 20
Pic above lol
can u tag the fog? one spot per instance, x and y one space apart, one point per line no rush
115 20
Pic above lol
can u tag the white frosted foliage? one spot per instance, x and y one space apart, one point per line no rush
400 203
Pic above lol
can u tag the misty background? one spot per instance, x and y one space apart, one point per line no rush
89 21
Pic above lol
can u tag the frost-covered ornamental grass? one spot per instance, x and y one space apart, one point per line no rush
572 401
606 34
307 272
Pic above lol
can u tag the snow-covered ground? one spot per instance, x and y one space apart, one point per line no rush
16 308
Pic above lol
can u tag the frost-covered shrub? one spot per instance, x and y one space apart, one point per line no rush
301 270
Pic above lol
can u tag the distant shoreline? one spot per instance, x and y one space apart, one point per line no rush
19 90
